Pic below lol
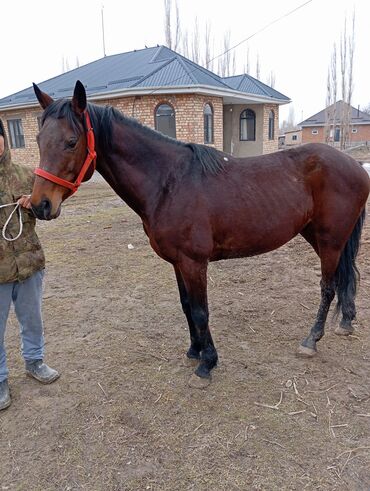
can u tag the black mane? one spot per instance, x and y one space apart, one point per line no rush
102 117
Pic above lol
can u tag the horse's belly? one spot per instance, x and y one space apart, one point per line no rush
251 241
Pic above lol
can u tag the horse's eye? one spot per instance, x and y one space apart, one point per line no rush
71 143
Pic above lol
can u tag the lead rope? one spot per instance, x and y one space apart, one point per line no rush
16 207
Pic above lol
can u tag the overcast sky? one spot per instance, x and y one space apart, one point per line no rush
37 35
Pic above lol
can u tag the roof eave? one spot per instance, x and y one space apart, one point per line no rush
199 89
186 89
310 125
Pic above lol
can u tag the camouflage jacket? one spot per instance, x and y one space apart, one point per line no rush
24 256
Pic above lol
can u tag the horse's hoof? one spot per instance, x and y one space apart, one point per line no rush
190 362
196 382
340 331
306 352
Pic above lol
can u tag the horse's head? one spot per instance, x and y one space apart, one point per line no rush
66 145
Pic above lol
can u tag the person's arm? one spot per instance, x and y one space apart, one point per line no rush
2 145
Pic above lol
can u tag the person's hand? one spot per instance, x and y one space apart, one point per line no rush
25 201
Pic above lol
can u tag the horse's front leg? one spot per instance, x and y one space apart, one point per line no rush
194 275
195 345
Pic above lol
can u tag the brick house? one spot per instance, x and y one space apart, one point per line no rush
317 128
165 91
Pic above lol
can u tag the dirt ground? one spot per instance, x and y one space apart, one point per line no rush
122 416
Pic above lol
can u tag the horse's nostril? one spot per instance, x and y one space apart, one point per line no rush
46 207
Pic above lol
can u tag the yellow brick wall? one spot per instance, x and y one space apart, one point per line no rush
268 145
188 109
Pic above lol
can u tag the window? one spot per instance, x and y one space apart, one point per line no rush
337 135
248 125
208 124
165 120
294 138
16 133
271 125
315 132
354 130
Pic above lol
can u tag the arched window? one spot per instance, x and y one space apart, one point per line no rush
208 123
271 125
165 120
248 125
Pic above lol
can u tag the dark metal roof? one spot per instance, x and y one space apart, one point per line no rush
250 85
150 67
319 119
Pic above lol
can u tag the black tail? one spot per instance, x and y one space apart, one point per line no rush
347 275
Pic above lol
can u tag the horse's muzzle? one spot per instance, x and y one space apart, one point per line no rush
43 210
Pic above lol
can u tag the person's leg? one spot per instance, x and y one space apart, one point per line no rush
27 298
5 301
27 301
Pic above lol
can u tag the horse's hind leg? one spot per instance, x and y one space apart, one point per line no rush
195 345
329 261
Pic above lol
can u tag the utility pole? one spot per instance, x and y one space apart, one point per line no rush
102 26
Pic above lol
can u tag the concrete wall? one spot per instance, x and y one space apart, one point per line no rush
288 142
262 144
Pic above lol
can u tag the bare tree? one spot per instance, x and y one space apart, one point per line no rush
366 109
233 63
208 50
247 67
185 44
290 123
343 74
331 98
172 28
178 28
258 67
339 117
167 22
271 79
195 46
66 66
347 53
225 61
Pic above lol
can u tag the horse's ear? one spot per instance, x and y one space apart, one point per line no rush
44 99
79 101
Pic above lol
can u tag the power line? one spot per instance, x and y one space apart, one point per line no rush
287 14
262 29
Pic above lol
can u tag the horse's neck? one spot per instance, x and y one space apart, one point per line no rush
137 168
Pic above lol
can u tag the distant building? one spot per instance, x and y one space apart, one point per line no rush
316 128
293 137
163 90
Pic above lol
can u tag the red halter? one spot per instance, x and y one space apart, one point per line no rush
90 158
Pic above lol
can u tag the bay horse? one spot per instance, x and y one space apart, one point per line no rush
198 204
